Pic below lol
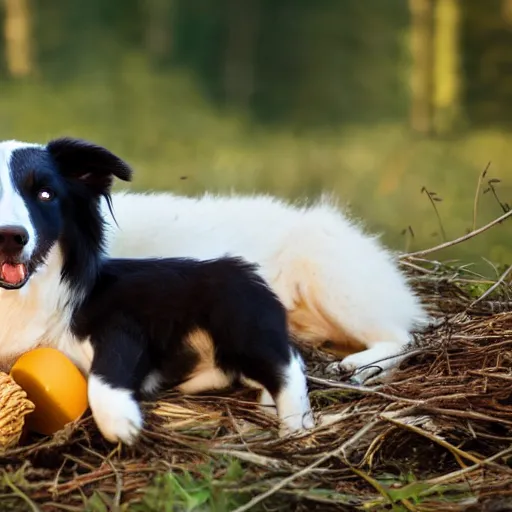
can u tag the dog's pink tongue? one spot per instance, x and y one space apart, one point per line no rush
13 274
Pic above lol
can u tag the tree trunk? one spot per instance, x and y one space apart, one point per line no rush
422 79
18 38
447 65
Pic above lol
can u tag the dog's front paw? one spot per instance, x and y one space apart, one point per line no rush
367 365
116 412
334 368
354 369
297 424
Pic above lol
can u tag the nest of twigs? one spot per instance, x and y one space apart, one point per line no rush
437 436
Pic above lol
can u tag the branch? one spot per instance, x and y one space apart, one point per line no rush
459 240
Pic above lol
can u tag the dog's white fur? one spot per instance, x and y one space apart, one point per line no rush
37 315
117 414
13 210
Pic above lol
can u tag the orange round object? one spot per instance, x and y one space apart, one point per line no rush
54 385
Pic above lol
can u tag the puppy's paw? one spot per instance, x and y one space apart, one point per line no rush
298 421
116 412
355 369
297 424
334 368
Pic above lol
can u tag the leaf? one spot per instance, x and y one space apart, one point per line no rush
408 491
96 503
234 471
326 496
198 498
494 180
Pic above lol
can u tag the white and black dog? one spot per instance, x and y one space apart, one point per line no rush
337 283
133 325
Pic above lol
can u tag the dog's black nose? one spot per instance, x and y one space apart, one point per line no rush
13 238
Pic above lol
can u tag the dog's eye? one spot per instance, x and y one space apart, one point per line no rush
45 195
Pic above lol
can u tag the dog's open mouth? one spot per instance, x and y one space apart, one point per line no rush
13 275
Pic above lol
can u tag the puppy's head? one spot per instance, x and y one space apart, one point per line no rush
50 194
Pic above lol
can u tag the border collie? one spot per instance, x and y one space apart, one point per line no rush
136 325
339 284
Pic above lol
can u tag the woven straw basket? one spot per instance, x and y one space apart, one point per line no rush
14 406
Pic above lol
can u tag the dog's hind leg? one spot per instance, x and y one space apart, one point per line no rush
366 342
343 291
264 361
292 401
263 364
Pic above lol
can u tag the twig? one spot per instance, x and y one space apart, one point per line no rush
21 494
488 374
492 265
418 268
364 390
433 198
465 414
456 452
456 474
505 207
459 240
261 460
477 193
116 506
406 232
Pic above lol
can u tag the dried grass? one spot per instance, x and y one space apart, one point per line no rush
437 436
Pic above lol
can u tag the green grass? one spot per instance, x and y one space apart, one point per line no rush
206 491
407 488
210 489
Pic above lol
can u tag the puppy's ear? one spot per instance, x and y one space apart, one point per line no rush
83 162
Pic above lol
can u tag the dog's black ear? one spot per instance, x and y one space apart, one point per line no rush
87 163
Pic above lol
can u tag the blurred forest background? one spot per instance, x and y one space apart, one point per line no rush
370 100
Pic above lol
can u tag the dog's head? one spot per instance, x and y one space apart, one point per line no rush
51 194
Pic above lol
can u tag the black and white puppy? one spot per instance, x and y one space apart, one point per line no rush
133 326
194 325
